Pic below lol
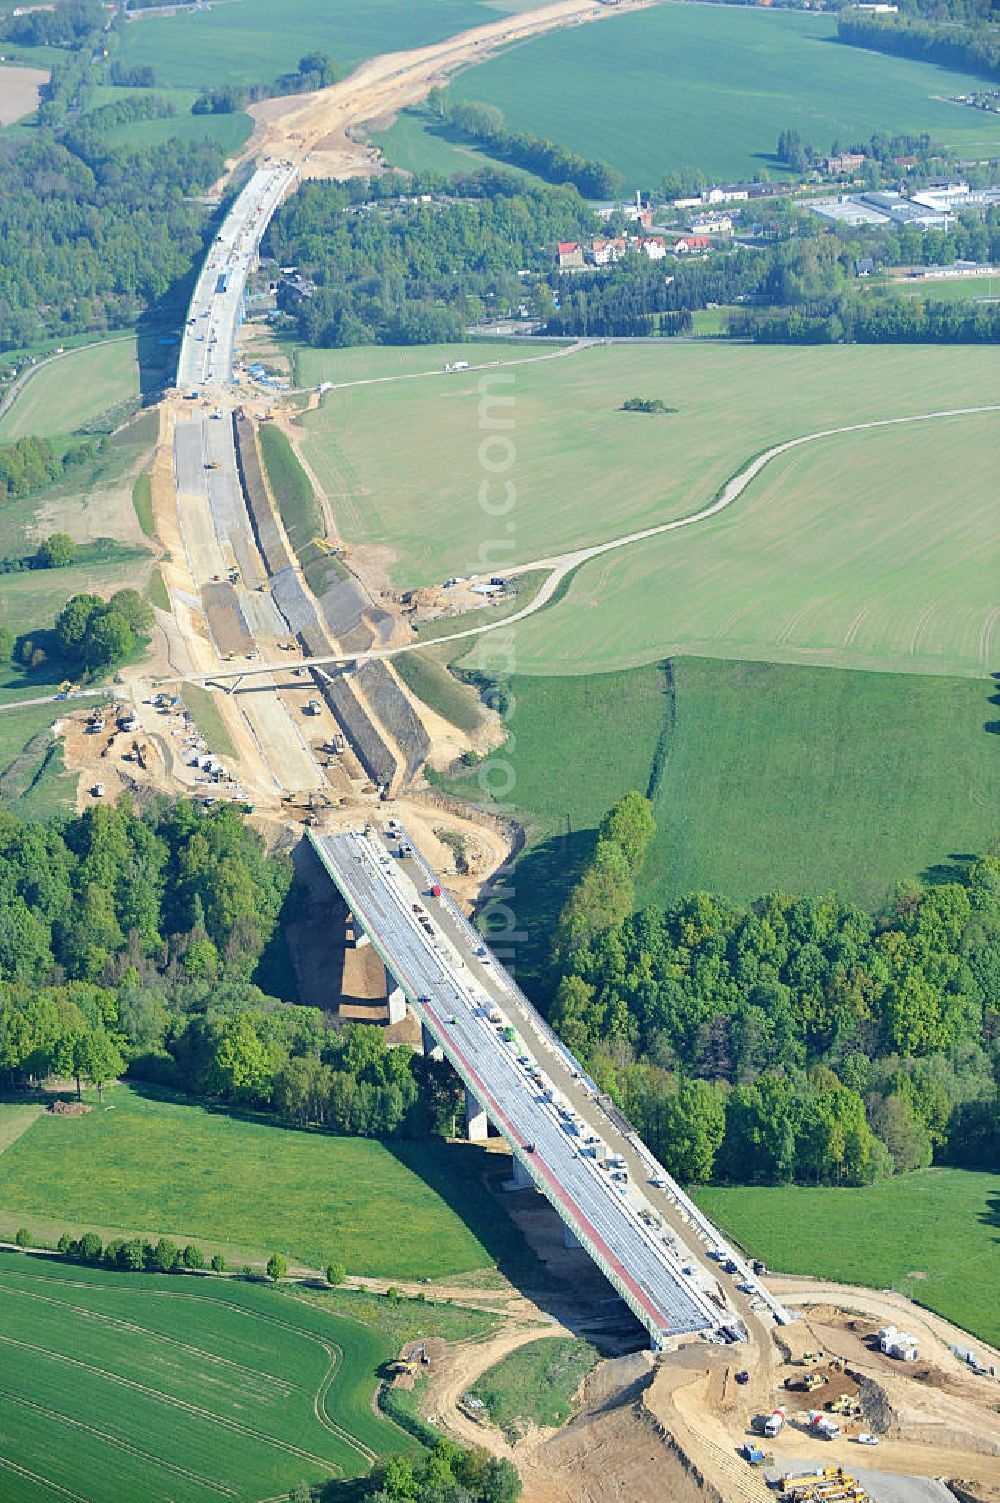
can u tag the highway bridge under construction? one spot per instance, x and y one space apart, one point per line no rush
661 1255
668 1263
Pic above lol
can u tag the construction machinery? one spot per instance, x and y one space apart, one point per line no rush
806 1382
332 550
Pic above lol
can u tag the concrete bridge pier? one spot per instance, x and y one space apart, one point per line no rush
397 1002
521 1179
432 1049
477 1126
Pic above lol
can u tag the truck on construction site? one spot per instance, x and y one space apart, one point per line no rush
772 1424
755 1456
312 708
821 1424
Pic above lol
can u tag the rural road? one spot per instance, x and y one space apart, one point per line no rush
17 386
439 373
563 564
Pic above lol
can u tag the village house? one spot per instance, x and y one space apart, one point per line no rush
687 245
570 254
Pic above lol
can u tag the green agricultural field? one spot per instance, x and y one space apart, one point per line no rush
936 1242
763 776
138 1386
631 91
815 562
238 43
73 389
872 550
536 1384
384 363
159 1166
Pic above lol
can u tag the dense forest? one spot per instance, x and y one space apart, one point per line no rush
92 234
795 1039
414 272
131 940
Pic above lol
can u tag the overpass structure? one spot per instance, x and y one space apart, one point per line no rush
662 1256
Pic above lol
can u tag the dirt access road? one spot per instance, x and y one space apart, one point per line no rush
314 131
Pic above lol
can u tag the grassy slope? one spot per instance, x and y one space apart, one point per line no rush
631 91
868 550
936 1237
536 1384
39 787
131 1385
808 779
240 44
165 1167
73 389
774 777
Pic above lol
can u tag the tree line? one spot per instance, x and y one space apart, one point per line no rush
970 47
315 71
131 940
446 1474
794 1039
888 320
485 125
30 464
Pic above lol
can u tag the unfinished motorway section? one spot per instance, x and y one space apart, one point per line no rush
659 1252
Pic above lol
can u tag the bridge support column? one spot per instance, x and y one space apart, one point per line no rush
570 1239
477 1127
432 1049
397 1003
360 937
520 1179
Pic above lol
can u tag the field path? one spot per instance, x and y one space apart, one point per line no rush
487 365
562 565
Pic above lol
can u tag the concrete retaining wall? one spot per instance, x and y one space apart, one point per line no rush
396 713
366 743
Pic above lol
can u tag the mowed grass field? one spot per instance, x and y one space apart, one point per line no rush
238 43
631 90
935 1237
764 777
158 1166
119 1386
72 389
834 553
872 549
